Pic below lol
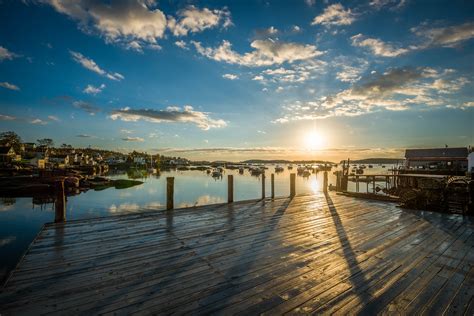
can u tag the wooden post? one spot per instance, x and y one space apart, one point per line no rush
367 182
325 182
273 185
373 184
60 203
169 193
230 188
263 185
357 184
292 184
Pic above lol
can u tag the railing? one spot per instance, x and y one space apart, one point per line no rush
60 204
389 180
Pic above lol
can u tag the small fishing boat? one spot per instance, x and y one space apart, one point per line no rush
290 167
370 166
241 170
256 171
300 169
306 173
360 171
279 169
216 173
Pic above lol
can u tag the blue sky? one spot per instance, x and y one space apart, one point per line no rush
240 79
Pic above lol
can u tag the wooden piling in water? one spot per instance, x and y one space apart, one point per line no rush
325 182
60 202
263 185
169 193
230 188
273 185
292 184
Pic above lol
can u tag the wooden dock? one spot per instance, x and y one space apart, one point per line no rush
309 254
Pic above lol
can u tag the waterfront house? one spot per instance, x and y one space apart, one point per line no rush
7 154
139 160
37 162
437 158
59 160
29 147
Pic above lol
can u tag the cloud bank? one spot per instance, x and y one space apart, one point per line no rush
171 114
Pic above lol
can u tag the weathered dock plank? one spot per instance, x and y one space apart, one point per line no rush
306 254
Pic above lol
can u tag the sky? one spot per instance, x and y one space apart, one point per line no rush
235 80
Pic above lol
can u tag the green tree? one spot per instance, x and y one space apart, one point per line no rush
11 139
46 142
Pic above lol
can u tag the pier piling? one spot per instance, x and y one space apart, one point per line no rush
60 203
292 184
273 185
230 188
325 182
263 185
169 193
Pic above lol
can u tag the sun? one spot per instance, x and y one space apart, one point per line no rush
314 141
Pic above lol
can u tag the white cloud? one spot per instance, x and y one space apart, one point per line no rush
90 89
391 4
53 118
192 19
445 36
38 121
397 89
86 106
265 33
230 76
349 74
92 66
335 14
117 21
85 136
5 54
182 44
7 118
170 114
296 28
377 46
9 86
265 53
133 139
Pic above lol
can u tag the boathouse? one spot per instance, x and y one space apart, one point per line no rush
454 159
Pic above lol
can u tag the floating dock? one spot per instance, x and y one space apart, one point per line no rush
306 254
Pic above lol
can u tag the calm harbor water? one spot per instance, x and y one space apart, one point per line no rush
21 220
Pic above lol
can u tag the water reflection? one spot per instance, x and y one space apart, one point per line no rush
22 218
